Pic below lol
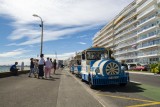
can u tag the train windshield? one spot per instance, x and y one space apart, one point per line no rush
93 55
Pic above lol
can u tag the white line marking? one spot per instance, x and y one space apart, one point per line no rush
135 82
143 73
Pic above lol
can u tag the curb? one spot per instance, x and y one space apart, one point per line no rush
8 74
144 73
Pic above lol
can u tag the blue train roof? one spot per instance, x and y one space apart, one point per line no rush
96 49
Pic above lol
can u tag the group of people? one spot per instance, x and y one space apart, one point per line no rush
41 67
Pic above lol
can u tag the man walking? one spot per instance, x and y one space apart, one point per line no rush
41 66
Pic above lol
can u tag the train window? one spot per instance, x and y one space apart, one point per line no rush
93 55
83 56
78 62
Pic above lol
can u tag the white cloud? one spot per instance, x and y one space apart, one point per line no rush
13 53
73 15
62 13
82 43
26 58
82 36
49 35
61 56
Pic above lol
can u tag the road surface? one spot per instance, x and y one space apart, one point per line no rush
66 90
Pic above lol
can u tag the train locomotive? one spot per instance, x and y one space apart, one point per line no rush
99 68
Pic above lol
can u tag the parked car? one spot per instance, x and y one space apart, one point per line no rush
141 68
138 67
131 66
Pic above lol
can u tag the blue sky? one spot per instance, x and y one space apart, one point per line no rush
69 26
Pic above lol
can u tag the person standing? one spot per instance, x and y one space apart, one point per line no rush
41 66
51 60
124 65
36 66
54 65
22 66
14 69
48 66
31 68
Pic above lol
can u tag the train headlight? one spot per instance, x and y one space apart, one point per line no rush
123 68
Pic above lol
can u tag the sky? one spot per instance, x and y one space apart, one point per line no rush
69 26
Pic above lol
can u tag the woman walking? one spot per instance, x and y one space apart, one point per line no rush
48 66
31 68
36 66
41 66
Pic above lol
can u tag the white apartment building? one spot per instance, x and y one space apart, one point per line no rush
134 34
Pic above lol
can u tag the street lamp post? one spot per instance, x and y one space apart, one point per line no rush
41 25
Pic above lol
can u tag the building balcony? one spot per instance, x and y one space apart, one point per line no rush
151 9
139 1
101 38
148 21
105 38
96 35
126 45
147 47
126 19
109 45
107 41
130 9
147 30
125 26
126 32
125 58
106 32
124 52
147 38
151 55
145 5
107 27
98 39
126 39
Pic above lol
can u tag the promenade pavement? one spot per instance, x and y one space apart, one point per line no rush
60 91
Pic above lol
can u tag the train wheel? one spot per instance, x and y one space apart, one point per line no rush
123 84
82 80
90 83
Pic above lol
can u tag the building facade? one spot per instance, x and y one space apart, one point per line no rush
134 34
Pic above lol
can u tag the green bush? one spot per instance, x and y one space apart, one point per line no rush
155 68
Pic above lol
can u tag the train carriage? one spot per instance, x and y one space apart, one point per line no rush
75 64
99 68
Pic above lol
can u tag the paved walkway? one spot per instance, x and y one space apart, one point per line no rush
22 91
143 73
72 94
60 91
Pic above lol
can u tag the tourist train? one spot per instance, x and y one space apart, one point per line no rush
75 64
98 67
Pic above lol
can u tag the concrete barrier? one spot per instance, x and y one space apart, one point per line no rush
7 74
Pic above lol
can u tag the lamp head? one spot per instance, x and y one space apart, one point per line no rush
35 15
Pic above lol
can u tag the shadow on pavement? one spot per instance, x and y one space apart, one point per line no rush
68 75
58 74
129 88
51 79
